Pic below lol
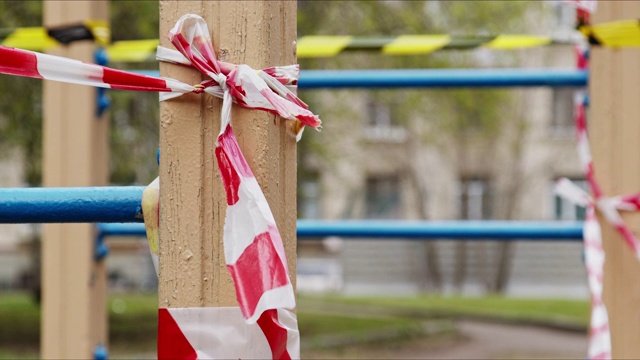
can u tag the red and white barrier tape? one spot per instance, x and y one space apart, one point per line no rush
263 89
253 247
261 326
589 6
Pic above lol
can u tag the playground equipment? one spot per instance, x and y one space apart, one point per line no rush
114 205
192 140
434 78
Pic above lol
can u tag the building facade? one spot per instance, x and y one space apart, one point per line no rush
374 165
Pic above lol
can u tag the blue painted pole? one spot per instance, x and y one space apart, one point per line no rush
434 78
122 205
414 230
71 205
118 230
440 78
421 230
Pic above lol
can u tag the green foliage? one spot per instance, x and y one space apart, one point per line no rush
134 19
560 312
484 17
21 100
458 110
440 117
134 132
133 318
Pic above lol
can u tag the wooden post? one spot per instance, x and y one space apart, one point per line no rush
75 151
614 121
193 272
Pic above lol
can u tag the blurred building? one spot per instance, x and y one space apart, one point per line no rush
376 164
129 265
379 168
14 257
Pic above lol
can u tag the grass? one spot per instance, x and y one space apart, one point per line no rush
553 312
324 321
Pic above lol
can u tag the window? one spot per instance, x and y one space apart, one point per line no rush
474 199
565 16
564 209
380 124
383 198
378 114
562 117
309 199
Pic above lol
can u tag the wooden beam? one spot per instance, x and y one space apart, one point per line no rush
614 122
193 272
75 153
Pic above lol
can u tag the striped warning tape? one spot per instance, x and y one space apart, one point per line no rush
613 34
41 38
327 46
624 33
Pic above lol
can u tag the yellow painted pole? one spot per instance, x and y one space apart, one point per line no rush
614 121
75 153
193 272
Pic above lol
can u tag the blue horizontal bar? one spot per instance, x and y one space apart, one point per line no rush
414 230
434 78
440 78
122 205
494 230
71 205
121 230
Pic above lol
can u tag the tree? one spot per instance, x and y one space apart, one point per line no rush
134 138
467 120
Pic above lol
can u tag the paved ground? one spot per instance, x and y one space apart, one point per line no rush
477 340
474 340
496 341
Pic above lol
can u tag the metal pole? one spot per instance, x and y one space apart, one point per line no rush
412 230
434 78
71 205
418 230
440 78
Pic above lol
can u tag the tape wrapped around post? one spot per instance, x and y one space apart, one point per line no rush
253 247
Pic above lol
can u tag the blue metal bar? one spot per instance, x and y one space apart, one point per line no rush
414 230
122 204
440 78
71 205
434 78
121 230
420 230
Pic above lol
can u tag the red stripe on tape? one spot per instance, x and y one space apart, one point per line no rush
275 333
231 164
172 344
258 270
602 356
18 62
123 80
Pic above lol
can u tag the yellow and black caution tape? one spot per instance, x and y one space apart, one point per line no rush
40 38
133 50
613 34
624 33
327 46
